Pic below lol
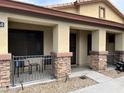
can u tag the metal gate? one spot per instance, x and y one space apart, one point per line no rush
30 68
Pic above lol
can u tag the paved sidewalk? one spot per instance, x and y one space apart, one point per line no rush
105 83
98 77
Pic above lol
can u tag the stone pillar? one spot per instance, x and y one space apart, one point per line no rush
98 54
119 47
98 60
5 70
61 64
61 54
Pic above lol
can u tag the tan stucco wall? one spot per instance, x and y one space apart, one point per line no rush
89 10
92 10
70 10
4 35
83 58
119 42
48 42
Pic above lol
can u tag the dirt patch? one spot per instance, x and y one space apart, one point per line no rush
59 86
113 73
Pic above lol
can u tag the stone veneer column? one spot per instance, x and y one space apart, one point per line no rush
98 54
5 70
98 60
61 64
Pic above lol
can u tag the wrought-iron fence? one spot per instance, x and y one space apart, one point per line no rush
30 68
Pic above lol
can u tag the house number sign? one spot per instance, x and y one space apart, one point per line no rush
2 24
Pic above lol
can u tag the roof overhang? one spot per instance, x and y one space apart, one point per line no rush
58 14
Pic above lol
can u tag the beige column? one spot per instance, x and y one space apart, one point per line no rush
61 38
5 58
99 40
98 54
83 58
4 36
62 56
119 46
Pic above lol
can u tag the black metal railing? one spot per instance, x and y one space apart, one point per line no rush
30 68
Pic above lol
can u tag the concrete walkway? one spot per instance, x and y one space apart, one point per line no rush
105 83
93 75
100 78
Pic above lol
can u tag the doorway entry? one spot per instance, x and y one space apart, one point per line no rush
73 47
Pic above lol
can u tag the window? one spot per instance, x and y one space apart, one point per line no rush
25 42
102 12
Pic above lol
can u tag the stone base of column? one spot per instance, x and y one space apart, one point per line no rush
119 55
61 64
5 70
98 60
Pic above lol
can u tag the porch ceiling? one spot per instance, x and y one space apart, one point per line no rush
29 26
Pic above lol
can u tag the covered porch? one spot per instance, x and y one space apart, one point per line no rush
34 44
69 44
40 41
44 42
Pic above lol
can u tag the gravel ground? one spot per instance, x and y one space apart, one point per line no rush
112 73
59 86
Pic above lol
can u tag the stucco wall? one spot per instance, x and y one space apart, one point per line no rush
93 11
119 42
83 57
70 10
48 42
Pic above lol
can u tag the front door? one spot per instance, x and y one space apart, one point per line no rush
73 47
